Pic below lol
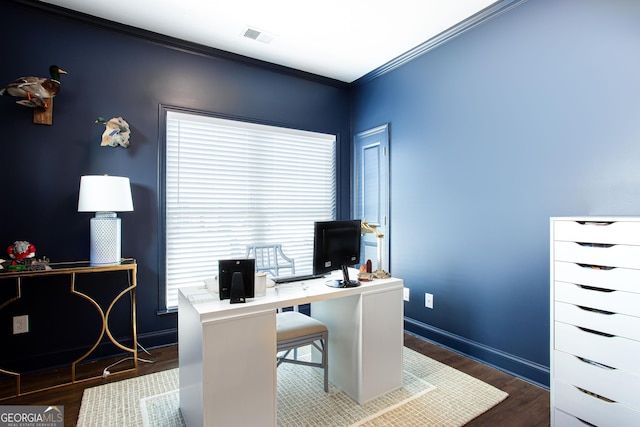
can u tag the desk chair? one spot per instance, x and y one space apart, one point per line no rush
296 330
270 259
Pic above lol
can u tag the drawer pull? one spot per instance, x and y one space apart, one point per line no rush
597 396
596 267
593 288
599 365
595 310
591 331
599 223
585 422
594 245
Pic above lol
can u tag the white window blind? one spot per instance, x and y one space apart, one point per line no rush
230 184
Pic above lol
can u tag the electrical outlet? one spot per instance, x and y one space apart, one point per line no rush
405 294
428 300
20 324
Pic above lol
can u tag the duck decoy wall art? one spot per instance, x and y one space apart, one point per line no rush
116 132
36 93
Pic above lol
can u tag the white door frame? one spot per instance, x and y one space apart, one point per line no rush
371 188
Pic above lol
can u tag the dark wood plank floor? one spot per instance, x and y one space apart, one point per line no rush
70 396
527 404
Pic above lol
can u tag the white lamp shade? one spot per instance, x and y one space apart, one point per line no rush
104 193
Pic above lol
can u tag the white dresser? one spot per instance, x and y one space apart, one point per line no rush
595 321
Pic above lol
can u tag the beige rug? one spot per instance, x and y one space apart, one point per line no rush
433 394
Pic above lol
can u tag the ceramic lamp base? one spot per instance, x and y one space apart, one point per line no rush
105 239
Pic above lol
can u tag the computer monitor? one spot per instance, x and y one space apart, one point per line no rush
336 246
236 279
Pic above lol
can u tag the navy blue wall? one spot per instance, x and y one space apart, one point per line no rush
530 115
113 73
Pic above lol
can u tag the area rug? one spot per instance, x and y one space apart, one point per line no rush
433 394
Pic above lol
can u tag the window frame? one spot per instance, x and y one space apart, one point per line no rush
161 182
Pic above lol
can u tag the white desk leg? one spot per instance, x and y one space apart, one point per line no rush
190 363
382 343
342 317
365 342
240 386
237 375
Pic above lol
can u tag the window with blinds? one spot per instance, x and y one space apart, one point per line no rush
229 184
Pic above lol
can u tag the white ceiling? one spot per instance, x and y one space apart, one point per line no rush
339 39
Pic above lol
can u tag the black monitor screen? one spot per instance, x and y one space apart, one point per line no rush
236 279
336 246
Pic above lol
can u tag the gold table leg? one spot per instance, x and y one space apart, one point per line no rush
131 270
97 306
104 316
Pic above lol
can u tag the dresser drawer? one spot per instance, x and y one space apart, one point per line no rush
612 256
592 409
618 232
613 351
606 322
614 384
619 279
613 301
562 419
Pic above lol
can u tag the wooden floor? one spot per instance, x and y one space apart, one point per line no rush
527 404
70 396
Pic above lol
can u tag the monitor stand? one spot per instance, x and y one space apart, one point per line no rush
345 282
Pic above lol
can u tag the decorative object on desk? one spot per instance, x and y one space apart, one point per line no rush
212 284
365 275
116 132
21 253
5 264
40 264
20 250
105 195
381 274
261 284
38 93
368 228
236 279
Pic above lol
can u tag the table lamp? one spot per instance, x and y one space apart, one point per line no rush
105 195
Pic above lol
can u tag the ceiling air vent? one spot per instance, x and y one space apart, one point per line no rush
252 34
261 36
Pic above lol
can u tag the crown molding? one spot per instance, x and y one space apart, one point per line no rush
481 17
176 43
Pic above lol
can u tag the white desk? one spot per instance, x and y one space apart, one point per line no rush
227 351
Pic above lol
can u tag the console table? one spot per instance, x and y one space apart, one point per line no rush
227 352
73 269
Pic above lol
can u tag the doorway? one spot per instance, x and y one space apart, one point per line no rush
371 191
